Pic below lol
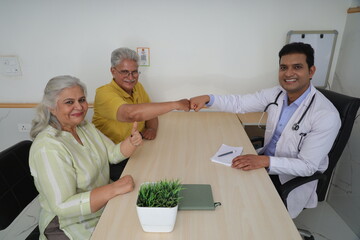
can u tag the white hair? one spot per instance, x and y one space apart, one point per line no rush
120 54
52 90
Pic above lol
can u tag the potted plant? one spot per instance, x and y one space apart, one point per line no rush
157 205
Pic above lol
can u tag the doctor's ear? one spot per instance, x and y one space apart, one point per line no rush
312 71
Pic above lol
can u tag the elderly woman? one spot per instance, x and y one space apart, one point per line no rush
69 160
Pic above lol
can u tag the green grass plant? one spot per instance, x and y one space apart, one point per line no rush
164 193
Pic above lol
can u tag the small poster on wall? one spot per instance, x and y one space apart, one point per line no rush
144 55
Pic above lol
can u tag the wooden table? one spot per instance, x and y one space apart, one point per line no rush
251 208
251 122
252 118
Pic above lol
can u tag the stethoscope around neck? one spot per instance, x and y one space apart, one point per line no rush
296 125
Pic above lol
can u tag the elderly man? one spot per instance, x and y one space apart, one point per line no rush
124 100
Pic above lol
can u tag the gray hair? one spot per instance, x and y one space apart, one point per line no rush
120 54
43 116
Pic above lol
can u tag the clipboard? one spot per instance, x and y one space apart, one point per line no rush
197 197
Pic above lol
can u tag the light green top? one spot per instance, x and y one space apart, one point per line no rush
65 172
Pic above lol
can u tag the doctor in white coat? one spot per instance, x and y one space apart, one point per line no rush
301 127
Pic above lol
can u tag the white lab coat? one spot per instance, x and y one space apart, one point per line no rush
321 124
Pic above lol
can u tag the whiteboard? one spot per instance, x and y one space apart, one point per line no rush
323 43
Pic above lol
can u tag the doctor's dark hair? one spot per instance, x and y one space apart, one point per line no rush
299 47
43 116
120 54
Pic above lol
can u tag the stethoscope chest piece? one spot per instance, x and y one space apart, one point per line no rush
295 127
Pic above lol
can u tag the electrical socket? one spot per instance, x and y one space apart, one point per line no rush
24 127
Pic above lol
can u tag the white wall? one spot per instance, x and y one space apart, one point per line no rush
202 46
197 47
344 195
10 118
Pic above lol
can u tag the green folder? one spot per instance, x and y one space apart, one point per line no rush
196 197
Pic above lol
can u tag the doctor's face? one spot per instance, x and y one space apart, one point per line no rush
295 74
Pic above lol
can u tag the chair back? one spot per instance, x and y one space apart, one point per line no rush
348 108
17 187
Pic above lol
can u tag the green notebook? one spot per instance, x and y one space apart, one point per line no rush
196 197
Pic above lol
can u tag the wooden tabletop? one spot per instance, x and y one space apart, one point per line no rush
251 208
253 118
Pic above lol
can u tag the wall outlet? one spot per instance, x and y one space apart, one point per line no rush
24 127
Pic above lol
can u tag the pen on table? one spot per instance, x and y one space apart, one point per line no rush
227 153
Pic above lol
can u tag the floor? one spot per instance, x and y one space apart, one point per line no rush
324 223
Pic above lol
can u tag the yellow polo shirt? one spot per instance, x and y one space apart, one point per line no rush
108 99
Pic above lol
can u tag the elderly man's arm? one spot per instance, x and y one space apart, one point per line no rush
147 111
150 129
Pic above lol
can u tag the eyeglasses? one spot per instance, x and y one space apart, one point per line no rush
126 73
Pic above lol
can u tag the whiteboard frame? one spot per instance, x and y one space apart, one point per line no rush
324 80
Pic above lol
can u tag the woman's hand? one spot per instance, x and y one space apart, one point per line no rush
129 145
124 185
101 195
135 138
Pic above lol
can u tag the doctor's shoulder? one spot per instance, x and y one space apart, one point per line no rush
322 103
271 94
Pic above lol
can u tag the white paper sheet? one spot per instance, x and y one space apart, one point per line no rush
231 153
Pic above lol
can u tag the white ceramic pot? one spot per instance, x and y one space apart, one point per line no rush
157 219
